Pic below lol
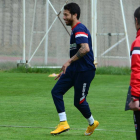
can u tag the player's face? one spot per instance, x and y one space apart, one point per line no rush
137 24
68 18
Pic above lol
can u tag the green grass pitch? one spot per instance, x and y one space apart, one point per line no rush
27 111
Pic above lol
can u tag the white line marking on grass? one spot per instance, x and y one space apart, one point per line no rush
103 130
53 128
22 126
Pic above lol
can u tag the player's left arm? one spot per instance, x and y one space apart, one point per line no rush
135 82
84 49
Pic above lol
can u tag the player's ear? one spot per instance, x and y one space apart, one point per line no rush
75 15
136 21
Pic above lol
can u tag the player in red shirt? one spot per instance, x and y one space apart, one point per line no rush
135 75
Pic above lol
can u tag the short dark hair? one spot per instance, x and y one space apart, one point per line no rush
137 14
73 8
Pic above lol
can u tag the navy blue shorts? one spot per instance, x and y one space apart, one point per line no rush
81 82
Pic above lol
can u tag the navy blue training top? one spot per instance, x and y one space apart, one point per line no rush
80 34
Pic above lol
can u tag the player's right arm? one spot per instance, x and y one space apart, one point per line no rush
134 104
81 37
84 49
59 75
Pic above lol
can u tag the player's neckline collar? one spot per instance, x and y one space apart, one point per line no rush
75 25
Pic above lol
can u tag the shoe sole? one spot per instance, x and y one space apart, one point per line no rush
61 132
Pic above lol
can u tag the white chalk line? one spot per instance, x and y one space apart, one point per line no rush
71 128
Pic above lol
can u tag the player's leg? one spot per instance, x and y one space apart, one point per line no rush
60 88
81 87
137 123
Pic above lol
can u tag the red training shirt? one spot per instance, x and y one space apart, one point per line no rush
135 66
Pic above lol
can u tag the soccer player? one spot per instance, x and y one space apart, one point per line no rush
135 75
78 71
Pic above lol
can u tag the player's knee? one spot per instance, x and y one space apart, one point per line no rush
76 104
53 92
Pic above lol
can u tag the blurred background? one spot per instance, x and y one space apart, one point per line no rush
30 31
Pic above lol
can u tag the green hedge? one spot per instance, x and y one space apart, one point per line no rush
110 70
113 70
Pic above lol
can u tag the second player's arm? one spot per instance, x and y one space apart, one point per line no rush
84 49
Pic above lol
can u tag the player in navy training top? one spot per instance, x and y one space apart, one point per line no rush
77 72
80 34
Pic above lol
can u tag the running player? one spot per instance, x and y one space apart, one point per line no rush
78 71
135 75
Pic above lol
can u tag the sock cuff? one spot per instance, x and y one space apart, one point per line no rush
62 116
90 120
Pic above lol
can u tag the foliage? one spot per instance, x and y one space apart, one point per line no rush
100 70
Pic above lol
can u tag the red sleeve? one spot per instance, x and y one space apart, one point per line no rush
135 68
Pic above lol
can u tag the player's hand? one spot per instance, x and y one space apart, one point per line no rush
64 67
134 105
59 75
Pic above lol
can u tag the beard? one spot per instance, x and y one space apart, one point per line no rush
69 22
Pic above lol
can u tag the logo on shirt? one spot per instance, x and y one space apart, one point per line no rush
73 46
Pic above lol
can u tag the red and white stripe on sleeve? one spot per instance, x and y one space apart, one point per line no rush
81 34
